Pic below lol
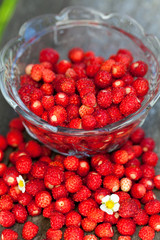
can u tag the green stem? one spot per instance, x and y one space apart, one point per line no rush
7 9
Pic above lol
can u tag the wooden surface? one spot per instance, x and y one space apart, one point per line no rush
150 21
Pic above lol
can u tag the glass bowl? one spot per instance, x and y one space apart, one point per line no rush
91 30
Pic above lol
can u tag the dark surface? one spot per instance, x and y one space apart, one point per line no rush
146 12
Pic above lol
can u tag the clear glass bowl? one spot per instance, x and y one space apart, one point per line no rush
91 30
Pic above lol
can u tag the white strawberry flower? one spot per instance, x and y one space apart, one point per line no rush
21 183
110 204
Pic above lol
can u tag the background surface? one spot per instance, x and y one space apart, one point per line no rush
146 12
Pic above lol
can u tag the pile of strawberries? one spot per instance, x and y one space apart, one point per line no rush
69 191
86 91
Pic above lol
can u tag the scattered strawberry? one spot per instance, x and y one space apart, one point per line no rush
29 230
146 233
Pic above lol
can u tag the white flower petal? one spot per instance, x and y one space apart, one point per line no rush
103 207
109 211
23 190
105 199
116 207
115 198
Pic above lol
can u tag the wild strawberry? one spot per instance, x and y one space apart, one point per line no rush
24 198
48 211
70 73
76 54
57 220
104 167
88 225
147 171
57 115
133 173
54 175
6 202
85 205
96 215
128 79
63 65
152 207
63 205
36 72
73 233
118 70
29 230
24 164
71 163
102 117
150 158
48 75
89 100
137 150
148 197
125 184
103 79
84 110
126 226
49 55
138 69
83 168
118 94
130 90
47 102
111 182
47 65
114 113
36 107
128 208
93 181
154 222
141 86
73 184
148 183
9 234
82 194
38 169
20 213
61 99
73 218
3 187
147 144
33 209
124 238
146 233
104 230
118 83
10 176
91 237
15 123
72 112
129 105
47 88
88 122
157 181
3 143
33 148
123 196
43 199
107 65
53 234
74 99
34 186
59 191
137 136
138 190
141 217
14 138
7 219
120 156
92 69
104 98
100 193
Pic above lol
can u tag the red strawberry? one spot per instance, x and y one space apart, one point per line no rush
146 233
29 230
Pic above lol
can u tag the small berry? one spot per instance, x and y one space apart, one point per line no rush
7 219
33 148
141 217
103 79
14 138
59 191
154 222
57 115
129 105
54 175
57 220
76 54
88 122
43 199
93 181
73 218
138 69
53 234
24 164
83 194
73 184
49 55
112 183
33 209
29 230
9 234
73 233
126 226
104 230
96 215
71 163
150 158
152 207
125 184
120 156
141 86
146 233
128 208
104 98
63 205
85 205
147 144
20 213
138 190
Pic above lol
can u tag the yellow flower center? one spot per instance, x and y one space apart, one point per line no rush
109 204
21 184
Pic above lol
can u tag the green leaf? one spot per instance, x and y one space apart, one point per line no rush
7 9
